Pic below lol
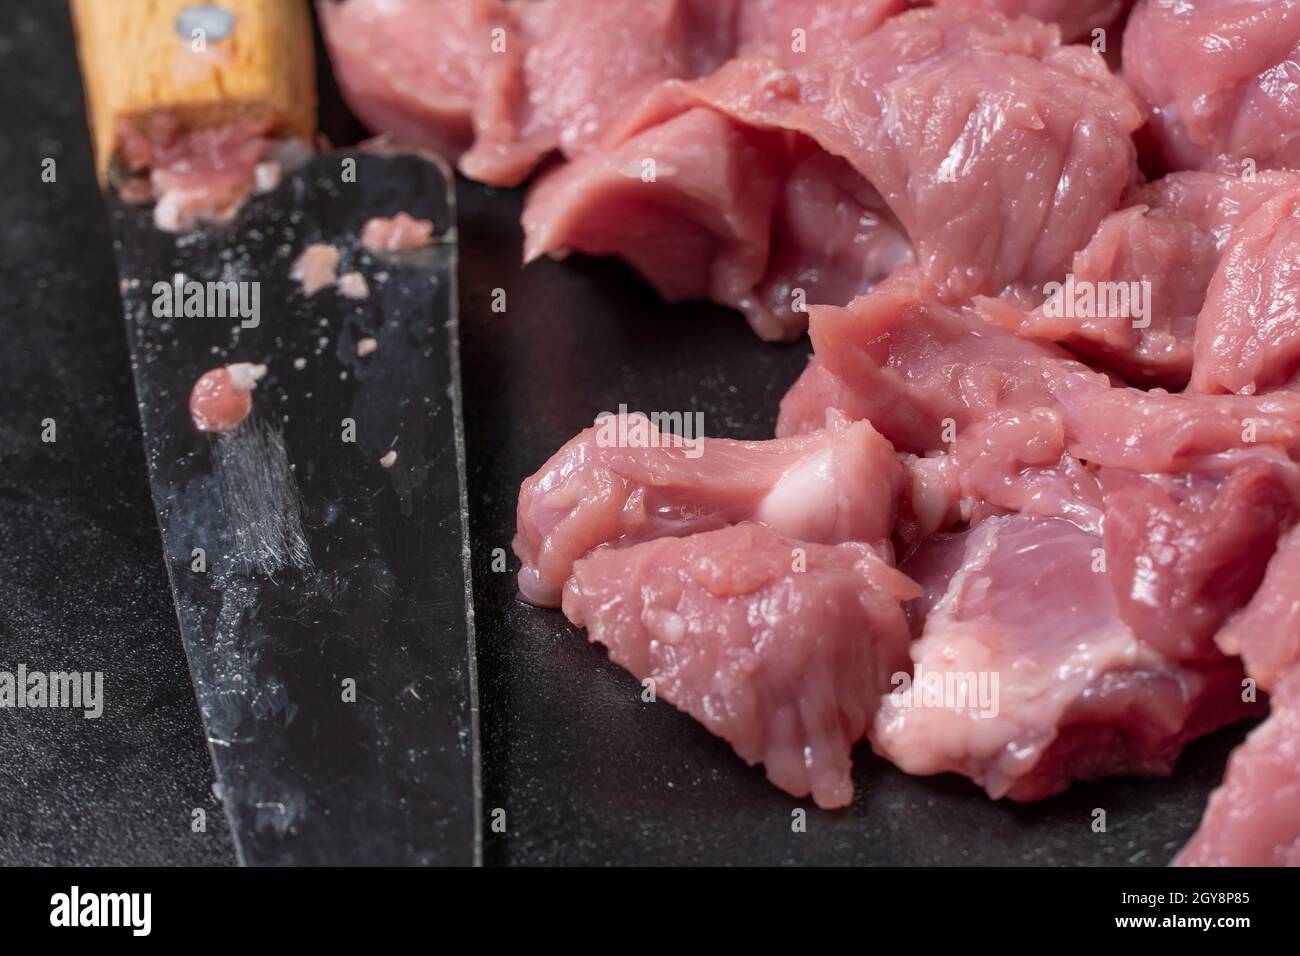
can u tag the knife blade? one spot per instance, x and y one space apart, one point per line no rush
322 588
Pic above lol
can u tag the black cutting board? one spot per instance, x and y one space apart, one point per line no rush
583 770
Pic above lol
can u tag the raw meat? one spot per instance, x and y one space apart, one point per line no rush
1076 18
415 69
501 85
222 398
780 647
400 233
688 204
198 177
1069 691
1222 78
1253 819
921 370
1266 634
316 268
1248 335
1170 236
998 150
837 484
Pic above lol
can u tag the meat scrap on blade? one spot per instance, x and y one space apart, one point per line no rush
623 481
780 647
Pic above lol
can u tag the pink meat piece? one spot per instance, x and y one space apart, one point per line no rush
769 26
1266 634
780 647
501 85
998 150
1079 695
199 176
1248 334
837 484
1187 550
316 268
1076 18
1222 78
415 69
583 63
1253 819
833 238
1170 236
688 204
400 233
922 371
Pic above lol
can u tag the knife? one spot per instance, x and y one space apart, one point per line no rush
318 553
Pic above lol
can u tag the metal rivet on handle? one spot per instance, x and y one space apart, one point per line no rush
215 21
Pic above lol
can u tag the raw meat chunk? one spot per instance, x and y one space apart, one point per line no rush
1076 18
1253 819
780 647
415 69
922 371
998 150
838 484
1222 78
689 204
577 64
1169 237
1267 631
1187 550
501 85
1248 335
1022 609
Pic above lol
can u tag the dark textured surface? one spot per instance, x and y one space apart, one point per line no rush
583 770
329 567
82 585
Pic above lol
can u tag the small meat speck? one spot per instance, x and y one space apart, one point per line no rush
352 285
389 459
316 268
366 346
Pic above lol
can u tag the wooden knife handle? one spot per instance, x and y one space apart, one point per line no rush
143 58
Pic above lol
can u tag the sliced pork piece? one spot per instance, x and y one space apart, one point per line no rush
919 369
1026 676
792 31
998 150
1187 550
414 69
833 238
780 647
1248 334
1134 292
1222 77
837 484
1266 634
922 372
1253 819
1076 18
583 62
689 204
